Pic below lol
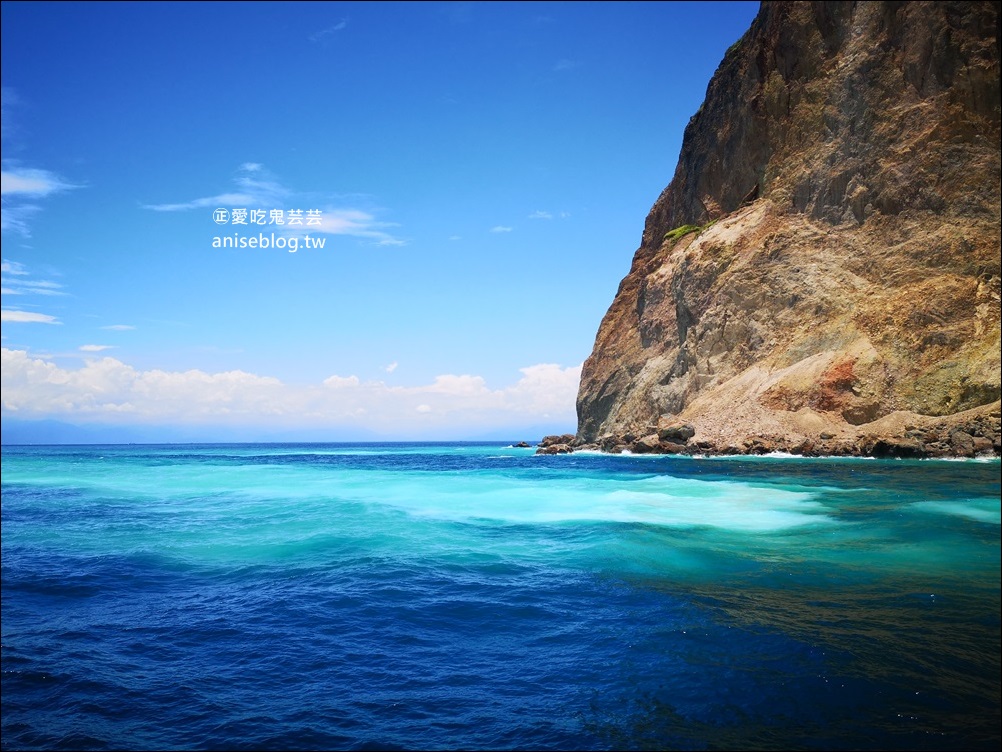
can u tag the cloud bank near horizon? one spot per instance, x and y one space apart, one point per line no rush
107 390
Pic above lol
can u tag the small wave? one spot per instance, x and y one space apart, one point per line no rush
980 458
979 510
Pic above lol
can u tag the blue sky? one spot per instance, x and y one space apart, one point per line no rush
482 172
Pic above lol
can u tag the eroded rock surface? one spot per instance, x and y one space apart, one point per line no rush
841 276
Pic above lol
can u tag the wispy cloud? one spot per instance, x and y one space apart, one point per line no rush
17 218
391 367
539 214
356 222
16 280
565 65
257 188
329 31
30 182
22 291
28 287
14 316
21 185
18 187
119 327
95 348
501 228
8 101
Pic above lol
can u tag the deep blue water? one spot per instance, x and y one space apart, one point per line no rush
474 596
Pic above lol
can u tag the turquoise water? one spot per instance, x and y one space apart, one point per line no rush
470 595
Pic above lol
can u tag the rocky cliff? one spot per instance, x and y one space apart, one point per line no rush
822 273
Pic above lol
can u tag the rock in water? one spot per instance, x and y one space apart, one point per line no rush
826 259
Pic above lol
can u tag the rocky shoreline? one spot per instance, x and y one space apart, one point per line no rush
979 436
822 274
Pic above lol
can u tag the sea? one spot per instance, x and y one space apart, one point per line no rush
476 596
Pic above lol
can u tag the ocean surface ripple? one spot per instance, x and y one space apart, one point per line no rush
444 596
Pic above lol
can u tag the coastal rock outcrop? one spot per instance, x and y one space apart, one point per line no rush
822 274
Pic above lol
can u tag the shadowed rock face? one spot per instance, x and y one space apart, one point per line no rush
848 155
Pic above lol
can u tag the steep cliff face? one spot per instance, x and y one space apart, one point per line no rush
844 170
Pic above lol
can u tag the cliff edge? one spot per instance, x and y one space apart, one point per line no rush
822 274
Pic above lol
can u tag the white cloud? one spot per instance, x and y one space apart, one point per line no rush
119 327
18 184
457 385
95 348
11 315
108 389
29 287
341 382
13 267
546 388
222 200
391 367
363 224
31 182
501 228
255 188
540 215
333 29
16 280
17 218
259 189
